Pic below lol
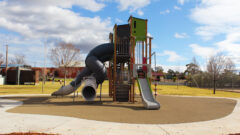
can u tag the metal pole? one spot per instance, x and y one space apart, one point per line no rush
101 92
18 75
155 88
44 61
6 62
74 96
155 71
232 81
42 80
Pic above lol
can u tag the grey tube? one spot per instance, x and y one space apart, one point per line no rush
97 67
89 90
94 64
94 68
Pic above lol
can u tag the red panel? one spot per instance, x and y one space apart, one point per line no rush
144 62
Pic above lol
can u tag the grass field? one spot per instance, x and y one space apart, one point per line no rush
50 87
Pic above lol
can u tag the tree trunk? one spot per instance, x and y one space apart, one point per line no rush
65 74
214 84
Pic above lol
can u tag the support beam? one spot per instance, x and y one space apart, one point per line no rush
146 43
110 82
142 50
150 51
146 50
115 63
133 80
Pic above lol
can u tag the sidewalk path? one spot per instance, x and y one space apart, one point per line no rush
12 122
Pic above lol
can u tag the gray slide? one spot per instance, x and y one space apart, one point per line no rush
147 96
94 70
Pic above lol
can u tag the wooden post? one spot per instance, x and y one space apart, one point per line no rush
150 55
146 50
146 44
110 81
143 50
150 51
132 54
133 91
110 78
115 63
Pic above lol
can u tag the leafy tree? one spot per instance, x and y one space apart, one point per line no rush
170 74
159 69
193 67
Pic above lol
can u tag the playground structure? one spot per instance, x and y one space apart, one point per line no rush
129 56
131 63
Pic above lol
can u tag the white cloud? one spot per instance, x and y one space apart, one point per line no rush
181 2
219 17
33 49
177 8
13 39
172 56
231 46
91 5
149 34
133 5
179 68
216 17
140 12
119 21
180 35
38 19
203 52
167 11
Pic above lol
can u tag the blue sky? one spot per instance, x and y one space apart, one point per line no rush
182 29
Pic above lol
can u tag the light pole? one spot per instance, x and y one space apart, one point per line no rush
6 62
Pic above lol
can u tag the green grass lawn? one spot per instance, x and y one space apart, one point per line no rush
190 91
50 87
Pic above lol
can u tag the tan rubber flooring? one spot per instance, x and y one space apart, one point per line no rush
173 109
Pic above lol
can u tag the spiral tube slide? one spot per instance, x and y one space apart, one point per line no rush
94 68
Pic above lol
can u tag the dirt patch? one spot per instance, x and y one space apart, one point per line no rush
173 109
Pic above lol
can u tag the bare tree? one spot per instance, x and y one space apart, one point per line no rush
18 59
217 65
65 55
229 65
1 59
